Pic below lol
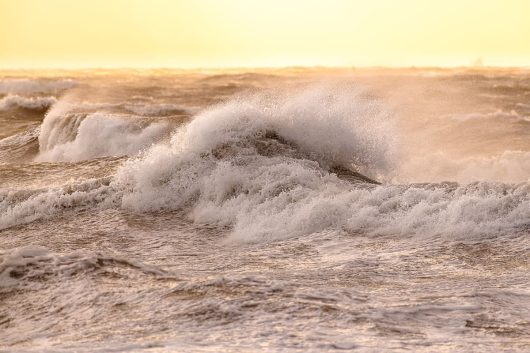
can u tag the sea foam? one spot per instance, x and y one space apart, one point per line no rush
264 166
75 136
215 170
31 103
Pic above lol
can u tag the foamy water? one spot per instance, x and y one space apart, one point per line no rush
302 210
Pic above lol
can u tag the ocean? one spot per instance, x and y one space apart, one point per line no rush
267 210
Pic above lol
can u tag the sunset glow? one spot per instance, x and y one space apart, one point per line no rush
248 33
264 176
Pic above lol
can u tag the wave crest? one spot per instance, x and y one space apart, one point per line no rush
25 206
70 136
272 167
31 103
30 265
226 168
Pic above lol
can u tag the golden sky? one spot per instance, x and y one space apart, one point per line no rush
250 33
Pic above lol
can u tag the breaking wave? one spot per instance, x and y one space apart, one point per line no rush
80 137
71 136
277 167
31 103
155 109
25 206
271 172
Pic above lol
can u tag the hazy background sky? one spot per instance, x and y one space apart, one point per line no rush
236 33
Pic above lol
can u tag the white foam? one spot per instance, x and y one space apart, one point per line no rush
70 134
334 124
24 206
274 198
32 103
98 135
214 171
264 197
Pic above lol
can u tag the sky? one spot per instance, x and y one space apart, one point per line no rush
262 33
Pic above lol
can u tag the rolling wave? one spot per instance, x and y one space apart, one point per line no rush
155 109
81 137
31 103
21 146
67 135
272 168
29 265
499 115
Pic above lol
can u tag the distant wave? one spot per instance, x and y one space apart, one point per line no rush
523 106
31 103
24 206
74 131
29 86
155 109
18 147
509 166
37 263
21 138
498 115
77 137
138 109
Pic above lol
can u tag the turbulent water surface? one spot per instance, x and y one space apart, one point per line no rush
286 210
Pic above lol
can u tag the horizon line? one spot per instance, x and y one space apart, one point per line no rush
228 68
